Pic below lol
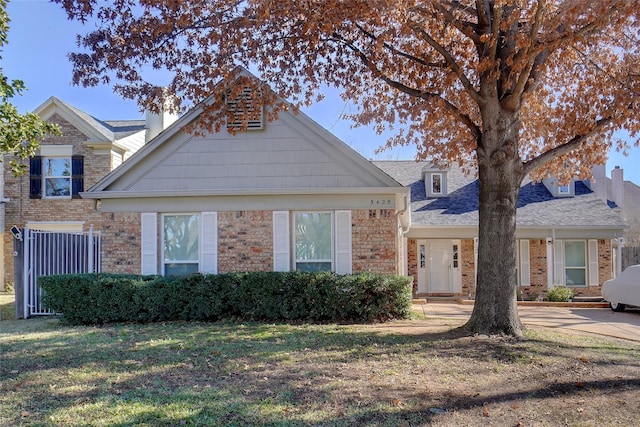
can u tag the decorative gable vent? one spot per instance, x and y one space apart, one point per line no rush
242 109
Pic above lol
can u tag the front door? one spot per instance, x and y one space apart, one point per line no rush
438 266
439 276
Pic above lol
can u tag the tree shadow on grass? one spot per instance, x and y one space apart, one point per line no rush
232 373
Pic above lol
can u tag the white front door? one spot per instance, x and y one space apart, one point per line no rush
439 277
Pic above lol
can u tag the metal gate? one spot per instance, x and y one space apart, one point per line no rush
45 253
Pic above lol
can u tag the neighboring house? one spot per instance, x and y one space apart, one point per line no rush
47 196
565 234
281 195
625 196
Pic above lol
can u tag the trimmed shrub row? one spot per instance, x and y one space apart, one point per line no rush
322 297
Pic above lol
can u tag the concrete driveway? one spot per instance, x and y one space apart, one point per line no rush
602 321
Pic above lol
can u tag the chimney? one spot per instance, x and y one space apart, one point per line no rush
598 184
156 123
617 186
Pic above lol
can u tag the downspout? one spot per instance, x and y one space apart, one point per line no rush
403 211
401 253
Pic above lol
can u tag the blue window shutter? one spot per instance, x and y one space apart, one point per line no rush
77 176
35 177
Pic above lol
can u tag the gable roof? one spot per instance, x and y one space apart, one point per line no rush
292 155
537 208
95 129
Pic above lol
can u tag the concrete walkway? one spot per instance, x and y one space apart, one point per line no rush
601 321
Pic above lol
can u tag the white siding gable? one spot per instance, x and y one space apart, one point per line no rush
292 152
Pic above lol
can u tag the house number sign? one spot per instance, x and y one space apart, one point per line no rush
381 202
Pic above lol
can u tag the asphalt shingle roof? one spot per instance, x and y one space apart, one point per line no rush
536 206
112 130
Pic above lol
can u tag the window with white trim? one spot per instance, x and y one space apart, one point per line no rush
56 173
436 183
563 189
575 262
181 249
313 241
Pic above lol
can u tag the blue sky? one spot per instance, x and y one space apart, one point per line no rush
40 36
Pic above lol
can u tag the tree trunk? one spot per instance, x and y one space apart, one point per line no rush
500 175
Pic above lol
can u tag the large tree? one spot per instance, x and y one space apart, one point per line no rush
514 87
19 133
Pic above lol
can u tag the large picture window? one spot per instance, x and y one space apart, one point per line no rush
181 244
313 241
575 259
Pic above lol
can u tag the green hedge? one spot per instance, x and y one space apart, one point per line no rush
322 297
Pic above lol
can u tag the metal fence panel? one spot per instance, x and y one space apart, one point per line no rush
47 253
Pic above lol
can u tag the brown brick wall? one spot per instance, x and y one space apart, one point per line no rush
537 270
605 260
412 262
374 240
245 241
21 209
468 268
121 249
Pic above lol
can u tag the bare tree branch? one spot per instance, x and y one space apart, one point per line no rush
568 146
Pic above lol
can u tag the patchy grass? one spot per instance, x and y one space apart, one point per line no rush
7 306
418 372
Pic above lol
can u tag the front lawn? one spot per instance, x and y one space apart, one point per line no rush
236 374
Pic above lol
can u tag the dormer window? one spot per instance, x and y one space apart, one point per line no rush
559 190
242 109
435 181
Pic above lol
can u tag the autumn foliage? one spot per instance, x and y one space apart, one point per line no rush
515 88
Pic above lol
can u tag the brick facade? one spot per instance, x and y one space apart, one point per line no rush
20 209
605 269
412 262
539 248
374 240
537 270
245 241
468 268
538 251
121 249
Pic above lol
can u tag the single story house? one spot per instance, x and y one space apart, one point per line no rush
566 235
282 195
